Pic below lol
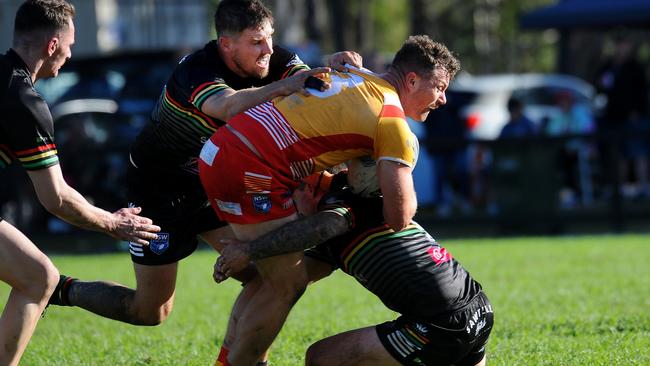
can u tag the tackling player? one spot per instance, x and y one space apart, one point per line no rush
445 318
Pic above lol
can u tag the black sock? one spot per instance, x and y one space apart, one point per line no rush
65 290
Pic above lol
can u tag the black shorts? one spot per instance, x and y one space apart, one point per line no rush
178 205
458 338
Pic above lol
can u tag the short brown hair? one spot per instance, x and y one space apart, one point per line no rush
234 16
43 15
422 55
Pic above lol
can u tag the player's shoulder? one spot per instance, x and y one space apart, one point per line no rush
201 58
283 59
202 65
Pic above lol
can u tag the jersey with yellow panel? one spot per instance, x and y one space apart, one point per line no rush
360 114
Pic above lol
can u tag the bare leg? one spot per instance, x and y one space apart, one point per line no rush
242 301
33 278
356 347
283 281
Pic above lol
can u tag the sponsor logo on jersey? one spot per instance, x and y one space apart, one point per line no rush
262 203
209 152
478 321
232 208
160 245
295 61
421 328
439 254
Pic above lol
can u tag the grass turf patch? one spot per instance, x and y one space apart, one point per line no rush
557 301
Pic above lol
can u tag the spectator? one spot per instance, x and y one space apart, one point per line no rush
446 142
518 125
623 81
573 158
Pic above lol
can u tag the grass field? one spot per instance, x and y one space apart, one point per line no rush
557 301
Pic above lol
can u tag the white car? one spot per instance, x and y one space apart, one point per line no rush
482 100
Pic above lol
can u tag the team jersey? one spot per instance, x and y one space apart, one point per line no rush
360 114
26 127
408 270
178 128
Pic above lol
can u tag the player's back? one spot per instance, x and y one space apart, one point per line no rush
408 270
352 104
360 114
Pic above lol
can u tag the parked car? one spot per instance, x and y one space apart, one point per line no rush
481 101
133 80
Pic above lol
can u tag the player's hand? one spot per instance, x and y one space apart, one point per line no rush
338 60
217 273
127 225
234 258
297 82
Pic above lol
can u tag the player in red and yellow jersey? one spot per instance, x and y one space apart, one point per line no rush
360 114
250 168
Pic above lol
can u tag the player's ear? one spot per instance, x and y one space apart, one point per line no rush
411 80
225 43
52 45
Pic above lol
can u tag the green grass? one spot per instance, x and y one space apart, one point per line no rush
557 301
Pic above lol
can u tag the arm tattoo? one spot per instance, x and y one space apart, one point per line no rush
299 235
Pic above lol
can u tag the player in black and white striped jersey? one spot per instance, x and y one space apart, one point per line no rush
445 316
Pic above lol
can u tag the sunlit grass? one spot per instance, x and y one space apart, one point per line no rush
557 301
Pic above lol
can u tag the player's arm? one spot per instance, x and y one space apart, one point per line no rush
295 236
229 102
63 201
400 202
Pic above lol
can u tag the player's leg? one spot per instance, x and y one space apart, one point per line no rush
284 278
149 304
266 312
155 265
32 278
355 347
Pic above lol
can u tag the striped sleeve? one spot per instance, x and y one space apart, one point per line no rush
205 90
30 138
293 69
341 210
40 157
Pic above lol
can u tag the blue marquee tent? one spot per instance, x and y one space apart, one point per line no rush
589 14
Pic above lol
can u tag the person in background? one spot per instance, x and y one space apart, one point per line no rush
518 126
44 33
575 121
625 121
